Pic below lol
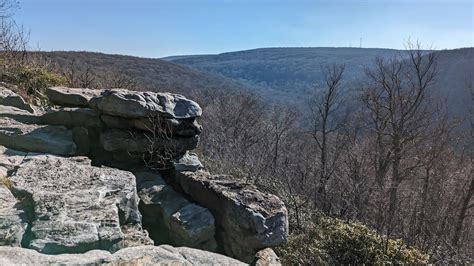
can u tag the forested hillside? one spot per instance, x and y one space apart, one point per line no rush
294 71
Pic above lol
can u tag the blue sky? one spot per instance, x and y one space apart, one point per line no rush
160 28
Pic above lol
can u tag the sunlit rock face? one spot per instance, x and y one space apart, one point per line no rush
113 169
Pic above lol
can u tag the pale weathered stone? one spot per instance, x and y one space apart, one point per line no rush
12 226
36 138
266 257
10 158
77 207
138 104
75 97
72 117
189 162
19 115
247 219
144 255
9 98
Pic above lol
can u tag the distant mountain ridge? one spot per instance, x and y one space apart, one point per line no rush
155 74
292 71
283 75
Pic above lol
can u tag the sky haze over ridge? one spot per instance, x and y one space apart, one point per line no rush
175 27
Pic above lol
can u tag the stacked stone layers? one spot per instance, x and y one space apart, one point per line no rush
127 126
64 204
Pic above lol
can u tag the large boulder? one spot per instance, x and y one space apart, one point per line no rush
75 207
170 217
247 220
137 104
9 98
145 255
72 97
36 138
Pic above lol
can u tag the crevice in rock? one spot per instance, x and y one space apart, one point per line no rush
26 205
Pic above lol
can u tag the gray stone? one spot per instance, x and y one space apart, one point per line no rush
192 226
72 117
19 115
76 207
75 97
170 217
137 104
144 255
10 159
9 98
12 226
247 219
189 162
80 135
36 138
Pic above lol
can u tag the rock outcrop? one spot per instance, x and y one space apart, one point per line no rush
112 170
248 220
36 138
74 207
186 223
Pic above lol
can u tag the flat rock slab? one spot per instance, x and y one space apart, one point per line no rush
36 138
72 117
12 226
10 98
247 220
19 115
76 207
145 255
73 97
137 104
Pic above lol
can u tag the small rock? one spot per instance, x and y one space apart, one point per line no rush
189 162
266 257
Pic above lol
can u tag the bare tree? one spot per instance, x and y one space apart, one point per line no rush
325 116
397 101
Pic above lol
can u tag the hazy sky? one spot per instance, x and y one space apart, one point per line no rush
157 28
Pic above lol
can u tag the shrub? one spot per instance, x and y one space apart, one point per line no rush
334 241
31 81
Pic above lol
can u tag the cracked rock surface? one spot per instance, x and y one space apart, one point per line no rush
75 207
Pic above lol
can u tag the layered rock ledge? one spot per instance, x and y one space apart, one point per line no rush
104 171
